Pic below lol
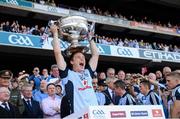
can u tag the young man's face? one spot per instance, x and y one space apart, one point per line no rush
78 62
143 89
118 91
51 90
171 83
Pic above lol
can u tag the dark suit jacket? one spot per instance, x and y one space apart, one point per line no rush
35 112
12 113
108 98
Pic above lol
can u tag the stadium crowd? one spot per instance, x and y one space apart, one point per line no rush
16 27
39 94
99 11
42 94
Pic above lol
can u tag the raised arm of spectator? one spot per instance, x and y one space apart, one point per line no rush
57 49
95 55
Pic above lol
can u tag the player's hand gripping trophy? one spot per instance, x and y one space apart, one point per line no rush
74 29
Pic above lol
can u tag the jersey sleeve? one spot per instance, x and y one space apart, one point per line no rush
63 74
91 71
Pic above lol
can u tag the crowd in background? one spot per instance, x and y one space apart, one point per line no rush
16 27
115 14
44 90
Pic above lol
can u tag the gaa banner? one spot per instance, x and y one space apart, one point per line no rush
21 3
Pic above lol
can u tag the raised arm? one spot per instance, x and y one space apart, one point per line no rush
93 62
57 49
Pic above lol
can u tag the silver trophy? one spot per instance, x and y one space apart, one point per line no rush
74 29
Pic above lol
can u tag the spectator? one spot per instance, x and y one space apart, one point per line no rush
151 98
166 70
5 77
101 76
36 78
32 108
109 93
54 77
7 27
121 75
100 96
40 94
126 99
15 93
51 104
59 91
110 73
173 82
35 31
45 75
101 85
7 110
171 49
159 75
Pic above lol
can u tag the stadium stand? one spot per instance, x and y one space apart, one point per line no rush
142 43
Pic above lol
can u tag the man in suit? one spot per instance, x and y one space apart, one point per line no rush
32 108
7 110
109 93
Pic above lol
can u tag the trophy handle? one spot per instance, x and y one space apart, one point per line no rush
91 31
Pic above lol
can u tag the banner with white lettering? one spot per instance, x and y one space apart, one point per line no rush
51 9
124 52
159 55
22 40
47 44
22 3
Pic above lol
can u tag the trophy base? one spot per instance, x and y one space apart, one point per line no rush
71 50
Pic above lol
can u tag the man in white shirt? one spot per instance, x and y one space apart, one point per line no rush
51 104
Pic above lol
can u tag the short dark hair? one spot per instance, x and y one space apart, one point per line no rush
72 55
146 83
59 86
120 83
50 84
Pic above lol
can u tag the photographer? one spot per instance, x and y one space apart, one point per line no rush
77 79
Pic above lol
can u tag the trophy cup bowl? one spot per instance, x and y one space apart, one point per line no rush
74 29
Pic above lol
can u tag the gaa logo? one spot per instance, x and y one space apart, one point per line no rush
20 40
98 114
124 52
52 9
14 2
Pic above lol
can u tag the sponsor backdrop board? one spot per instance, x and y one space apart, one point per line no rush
120 112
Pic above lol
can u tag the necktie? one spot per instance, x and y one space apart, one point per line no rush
29 104
113 96
5 106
